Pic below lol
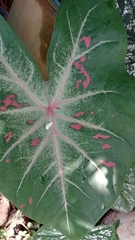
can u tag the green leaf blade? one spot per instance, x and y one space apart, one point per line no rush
85 42
126 199
106 232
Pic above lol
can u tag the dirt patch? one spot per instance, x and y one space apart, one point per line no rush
13 223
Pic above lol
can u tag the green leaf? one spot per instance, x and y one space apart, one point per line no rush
105 232
48 233
127 11
126 199
116 223
66 144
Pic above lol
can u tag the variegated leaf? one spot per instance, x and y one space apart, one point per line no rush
65 145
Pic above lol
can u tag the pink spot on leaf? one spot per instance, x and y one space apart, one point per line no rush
8 136
30 121
30 200
3 108
7 160
9 102
77 64
79 114
87 41
83 71
78 82
108 164
106 146
76 126
35 142
92 113
21 163
101 136
82 59
112 115
22 205
25 104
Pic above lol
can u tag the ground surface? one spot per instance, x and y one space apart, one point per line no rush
126 229
13 223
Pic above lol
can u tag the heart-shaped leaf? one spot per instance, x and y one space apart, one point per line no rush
102 232
65 145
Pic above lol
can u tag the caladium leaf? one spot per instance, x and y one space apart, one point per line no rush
126 199
65 146
127 11
48 233
104 232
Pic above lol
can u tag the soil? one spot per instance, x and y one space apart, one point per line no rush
126 228
13 223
